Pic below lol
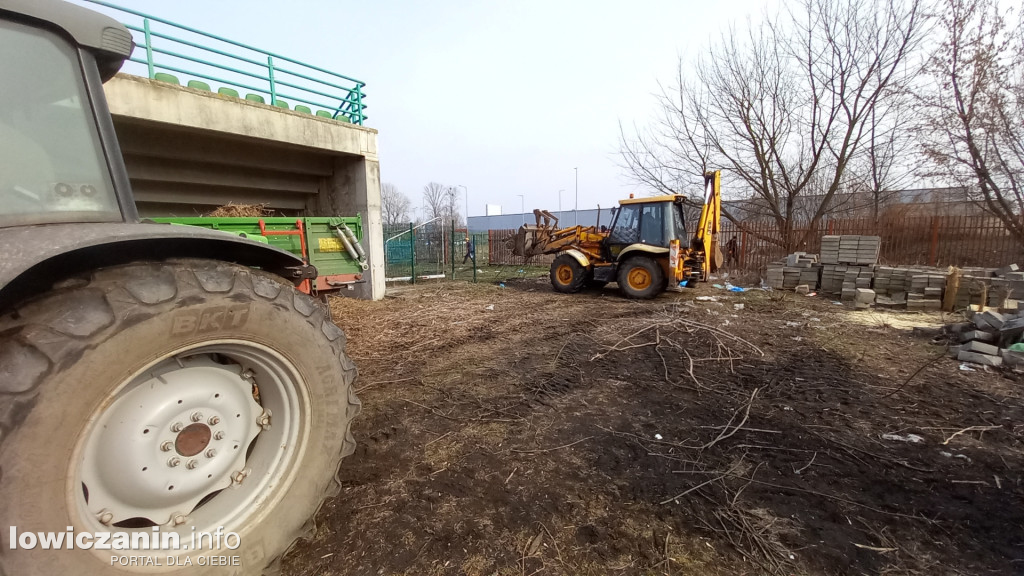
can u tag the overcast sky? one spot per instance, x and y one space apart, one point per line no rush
505 98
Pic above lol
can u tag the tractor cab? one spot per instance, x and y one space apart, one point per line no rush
648 224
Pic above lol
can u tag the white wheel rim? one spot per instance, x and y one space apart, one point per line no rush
144 459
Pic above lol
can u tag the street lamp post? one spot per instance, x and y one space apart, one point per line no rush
560 203
522 207
576 211
467 205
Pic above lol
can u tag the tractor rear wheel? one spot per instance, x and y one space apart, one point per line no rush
567 274
641 277
174 397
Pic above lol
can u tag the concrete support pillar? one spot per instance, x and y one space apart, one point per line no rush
188 151
355 188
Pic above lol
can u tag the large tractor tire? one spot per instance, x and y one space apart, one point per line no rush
641 277
187 396
567 274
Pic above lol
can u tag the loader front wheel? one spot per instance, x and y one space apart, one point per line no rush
567 274
641 277
170 398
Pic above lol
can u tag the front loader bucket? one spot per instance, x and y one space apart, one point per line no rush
524 243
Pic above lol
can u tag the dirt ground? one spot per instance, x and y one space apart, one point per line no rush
513 430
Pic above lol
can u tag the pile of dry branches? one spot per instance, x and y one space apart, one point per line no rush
233 210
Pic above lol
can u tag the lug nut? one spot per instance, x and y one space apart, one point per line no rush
239 477
264 421
177 427
191 464
197 416
174 462
166 446
211 453
213 421
179 519
105 517
219 435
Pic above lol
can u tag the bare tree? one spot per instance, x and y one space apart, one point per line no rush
782 108
441 201
976 113
394 205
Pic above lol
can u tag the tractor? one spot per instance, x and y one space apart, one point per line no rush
155 379
645 248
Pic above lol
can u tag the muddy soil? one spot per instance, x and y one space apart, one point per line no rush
519 431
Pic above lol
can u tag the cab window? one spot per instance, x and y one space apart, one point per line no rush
627 225
678 225
51 163
652 224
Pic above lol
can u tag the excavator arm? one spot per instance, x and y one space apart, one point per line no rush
705 238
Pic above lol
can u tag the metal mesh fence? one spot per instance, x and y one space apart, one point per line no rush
445 251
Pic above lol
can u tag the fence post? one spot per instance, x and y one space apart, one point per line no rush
475 246
453 249
934 253
743 250
273 88
149 46
412 259
359 104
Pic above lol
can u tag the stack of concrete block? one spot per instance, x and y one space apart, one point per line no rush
1001 288
854 278
863 298
832 278
850 249
986 339
926 291
898 281
798 269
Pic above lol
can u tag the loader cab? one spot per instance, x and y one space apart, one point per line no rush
59 161
651 222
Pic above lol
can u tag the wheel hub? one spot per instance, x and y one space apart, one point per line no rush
193 439
177 436
564 274
639 278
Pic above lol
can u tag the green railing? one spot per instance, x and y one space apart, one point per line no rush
183 50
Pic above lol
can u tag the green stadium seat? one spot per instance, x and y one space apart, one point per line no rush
303 109
228 92
199 85
164 77
281 104
323 113
255 98
343 118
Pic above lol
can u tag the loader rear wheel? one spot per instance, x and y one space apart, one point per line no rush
641 277
567 274
182 396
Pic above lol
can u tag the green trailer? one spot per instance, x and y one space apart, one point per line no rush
332 244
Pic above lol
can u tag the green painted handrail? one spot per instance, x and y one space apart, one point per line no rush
344 95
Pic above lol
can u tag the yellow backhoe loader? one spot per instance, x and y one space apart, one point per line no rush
646 248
